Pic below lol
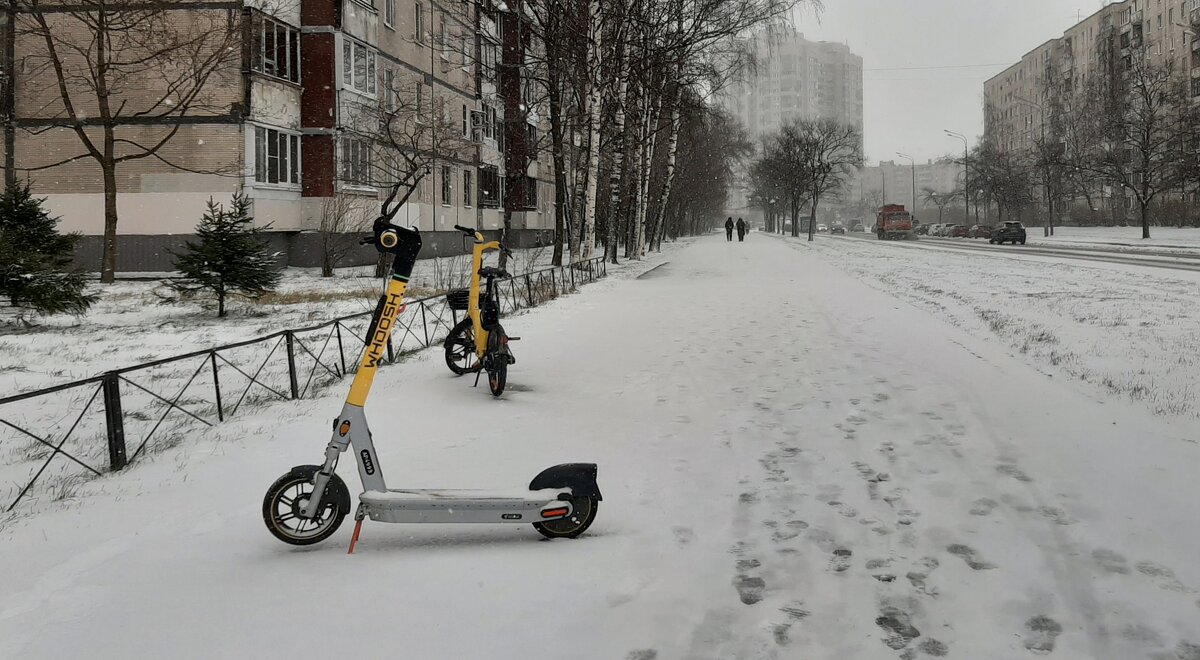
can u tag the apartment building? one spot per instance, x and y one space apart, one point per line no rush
1020 101
300 116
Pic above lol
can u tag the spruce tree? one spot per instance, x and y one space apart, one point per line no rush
36 269
230 258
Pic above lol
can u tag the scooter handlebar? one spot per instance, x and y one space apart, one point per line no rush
466 230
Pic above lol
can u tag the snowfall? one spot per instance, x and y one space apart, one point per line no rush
838 449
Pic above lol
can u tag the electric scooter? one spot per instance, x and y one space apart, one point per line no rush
307 505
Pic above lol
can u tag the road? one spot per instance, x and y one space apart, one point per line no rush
1176 260
794 464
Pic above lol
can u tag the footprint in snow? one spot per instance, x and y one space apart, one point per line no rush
970 556
900 630
684 536
1014 472
1041 631
931 646
642 654
750 589
920 574
1187 651
841 560
1165 576
983 506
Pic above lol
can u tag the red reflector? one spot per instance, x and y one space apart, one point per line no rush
554 513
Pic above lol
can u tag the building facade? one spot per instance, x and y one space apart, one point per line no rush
319 103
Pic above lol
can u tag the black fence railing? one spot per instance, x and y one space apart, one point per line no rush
55 439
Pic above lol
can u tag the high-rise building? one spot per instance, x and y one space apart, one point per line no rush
796 77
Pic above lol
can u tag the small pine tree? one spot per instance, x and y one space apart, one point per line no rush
36 269
231 258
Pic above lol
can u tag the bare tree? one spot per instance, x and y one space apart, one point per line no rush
828 152
344 218
1143 125
942 200
124 76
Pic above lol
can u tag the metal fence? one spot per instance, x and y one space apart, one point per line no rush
53 440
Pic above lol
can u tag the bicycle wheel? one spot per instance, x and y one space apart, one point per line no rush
460 348
497 360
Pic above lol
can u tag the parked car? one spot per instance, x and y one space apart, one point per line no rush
822 229
958 231
837 229
857 228
923 229
1009 232
980 231
938 229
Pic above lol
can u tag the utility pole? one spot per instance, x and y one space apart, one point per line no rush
914 182
966 178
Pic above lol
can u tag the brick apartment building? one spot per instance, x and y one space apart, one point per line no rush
293 121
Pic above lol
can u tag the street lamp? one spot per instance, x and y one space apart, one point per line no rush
966 177
913 161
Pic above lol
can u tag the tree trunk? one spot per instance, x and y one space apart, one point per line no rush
587 232
812 218
1145 219
108 264
649 142
560 174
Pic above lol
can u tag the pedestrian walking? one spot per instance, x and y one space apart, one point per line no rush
729 229
741 230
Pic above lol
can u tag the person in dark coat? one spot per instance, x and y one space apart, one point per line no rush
729 229
741 229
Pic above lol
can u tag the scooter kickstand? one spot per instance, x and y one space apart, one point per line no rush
359 515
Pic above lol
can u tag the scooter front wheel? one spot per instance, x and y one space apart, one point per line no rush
583 513
285 501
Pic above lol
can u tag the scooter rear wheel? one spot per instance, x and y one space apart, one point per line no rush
582 515
285 500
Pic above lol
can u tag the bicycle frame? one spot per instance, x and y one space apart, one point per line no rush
479 248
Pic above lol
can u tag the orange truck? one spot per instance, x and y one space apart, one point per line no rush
893 222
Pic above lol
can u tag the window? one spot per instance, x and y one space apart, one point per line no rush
530 136
531 193
447 186
276 156
356 161
275 50
466 51
390 93
489 186
444 39
466 188
487 56
389 13
466 122
419 23
358 66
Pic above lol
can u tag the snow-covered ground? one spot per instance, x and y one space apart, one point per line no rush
794 463
1127 330
131 324
1184 239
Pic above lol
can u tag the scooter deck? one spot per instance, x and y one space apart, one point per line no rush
465 506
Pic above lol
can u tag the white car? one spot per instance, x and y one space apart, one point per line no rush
821 229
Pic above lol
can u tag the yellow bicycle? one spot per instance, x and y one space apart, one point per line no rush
478 343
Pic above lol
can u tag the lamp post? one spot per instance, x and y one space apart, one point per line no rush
966 178
912 161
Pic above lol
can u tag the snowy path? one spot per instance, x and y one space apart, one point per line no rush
793 464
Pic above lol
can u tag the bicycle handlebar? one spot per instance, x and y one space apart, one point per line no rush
466 230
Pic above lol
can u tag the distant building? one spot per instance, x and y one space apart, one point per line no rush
795 77
891 182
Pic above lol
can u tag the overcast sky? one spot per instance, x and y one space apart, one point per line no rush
907 110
